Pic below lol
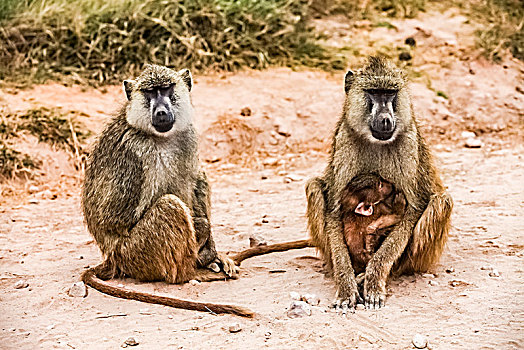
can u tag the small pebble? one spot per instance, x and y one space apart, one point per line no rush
410 41
299 309
473 143
468 135
256 241
270 161
494 273
420 341
235 328
33 201
433 283
78 290
194 282
311 299
33 189
130 342
246 112
487 268
428 275
21 284
294 177
404 56
450 270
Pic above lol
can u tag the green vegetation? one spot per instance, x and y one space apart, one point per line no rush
105 41
442 94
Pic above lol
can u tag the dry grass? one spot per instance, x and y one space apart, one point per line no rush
101 41
52 126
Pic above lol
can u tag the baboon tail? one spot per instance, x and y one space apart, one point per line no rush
90 277
272 248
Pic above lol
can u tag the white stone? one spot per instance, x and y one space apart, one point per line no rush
33 189
473 143
299 309
311 299
78 290
21 284
468 134
494 273
194 282
235 328
420 341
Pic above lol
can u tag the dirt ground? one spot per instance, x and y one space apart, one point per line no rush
258 165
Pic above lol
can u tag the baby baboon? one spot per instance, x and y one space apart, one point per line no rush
145 200
369 205
378 134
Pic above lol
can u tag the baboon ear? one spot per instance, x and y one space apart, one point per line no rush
128 88
186 78
348 80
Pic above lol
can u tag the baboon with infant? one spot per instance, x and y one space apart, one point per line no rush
145 199
378 134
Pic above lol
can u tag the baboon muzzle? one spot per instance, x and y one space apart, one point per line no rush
163 119
383 126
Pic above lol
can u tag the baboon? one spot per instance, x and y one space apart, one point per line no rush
369 206
145 199
378 133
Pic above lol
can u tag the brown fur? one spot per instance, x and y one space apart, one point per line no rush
146 202
417 241
363 234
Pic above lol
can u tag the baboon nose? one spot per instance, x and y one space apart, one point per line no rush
163 120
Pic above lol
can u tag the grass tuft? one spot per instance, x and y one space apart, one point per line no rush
104 42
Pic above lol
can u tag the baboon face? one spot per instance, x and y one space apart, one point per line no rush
159 100
377 101
382 107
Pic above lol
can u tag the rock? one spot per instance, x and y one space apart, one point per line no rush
21 284
299 309
410 41
33 201
468 134
130 342
292 178
311 299
487 268
494 273
428 275
294 296
404 56
256 241
270 161
78 290
194 282
33 189
246 112
450 270
420 341
473 143
433 283
235 328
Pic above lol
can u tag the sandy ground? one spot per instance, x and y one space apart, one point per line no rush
258 166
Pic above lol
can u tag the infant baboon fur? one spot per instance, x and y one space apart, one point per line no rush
369 206
145 200
378 134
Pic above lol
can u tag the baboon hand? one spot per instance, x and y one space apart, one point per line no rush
228 265
374 292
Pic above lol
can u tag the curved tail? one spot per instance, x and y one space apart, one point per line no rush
90 278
